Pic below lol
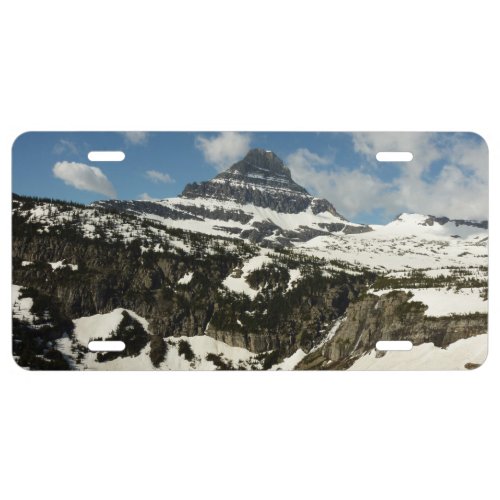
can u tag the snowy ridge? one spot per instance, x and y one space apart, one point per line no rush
396 247
287 221
426 225
405 245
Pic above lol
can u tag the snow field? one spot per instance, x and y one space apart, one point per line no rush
428 357
444 302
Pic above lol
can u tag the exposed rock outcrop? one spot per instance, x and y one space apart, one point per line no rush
389 317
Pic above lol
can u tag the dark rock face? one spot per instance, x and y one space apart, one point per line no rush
118 275
301 327
111 276
458 222
261 231
138 207
319 205
260 179
336 227
216 213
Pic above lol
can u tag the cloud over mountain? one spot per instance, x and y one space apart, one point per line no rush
448 175
223 149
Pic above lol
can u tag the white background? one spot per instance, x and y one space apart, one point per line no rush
260 65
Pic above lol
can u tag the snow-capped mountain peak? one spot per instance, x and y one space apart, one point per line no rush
254 199
262 179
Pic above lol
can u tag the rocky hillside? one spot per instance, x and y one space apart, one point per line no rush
184 283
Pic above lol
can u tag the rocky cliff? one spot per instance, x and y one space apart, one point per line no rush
389 317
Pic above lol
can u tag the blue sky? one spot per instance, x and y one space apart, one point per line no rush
448 175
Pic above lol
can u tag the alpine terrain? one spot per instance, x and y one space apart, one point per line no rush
246 271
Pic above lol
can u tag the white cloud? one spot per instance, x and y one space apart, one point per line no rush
64 146
156 176
453 193
424 147
136 138
302 165
458 190
224 149
350 191
84 177
146 197
471 155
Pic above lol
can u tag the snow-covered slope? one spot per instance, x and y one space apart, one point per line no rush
237 282
429 226
197 353
207 353
102 325
226 217
462 354
407 243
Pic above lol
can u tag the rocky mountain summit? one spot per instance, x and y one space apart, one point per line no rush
255 199
260 179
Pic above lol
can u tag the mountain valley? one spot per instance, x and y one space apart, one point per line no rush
245 271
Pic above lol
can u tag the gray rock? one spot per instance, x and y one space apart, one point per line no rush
263 180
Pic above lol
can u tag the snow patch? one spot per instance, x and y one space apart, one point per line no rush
21 307
60 264
201 346
102 325
428 357
185 279
239 284
294 277
291 362
444 302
